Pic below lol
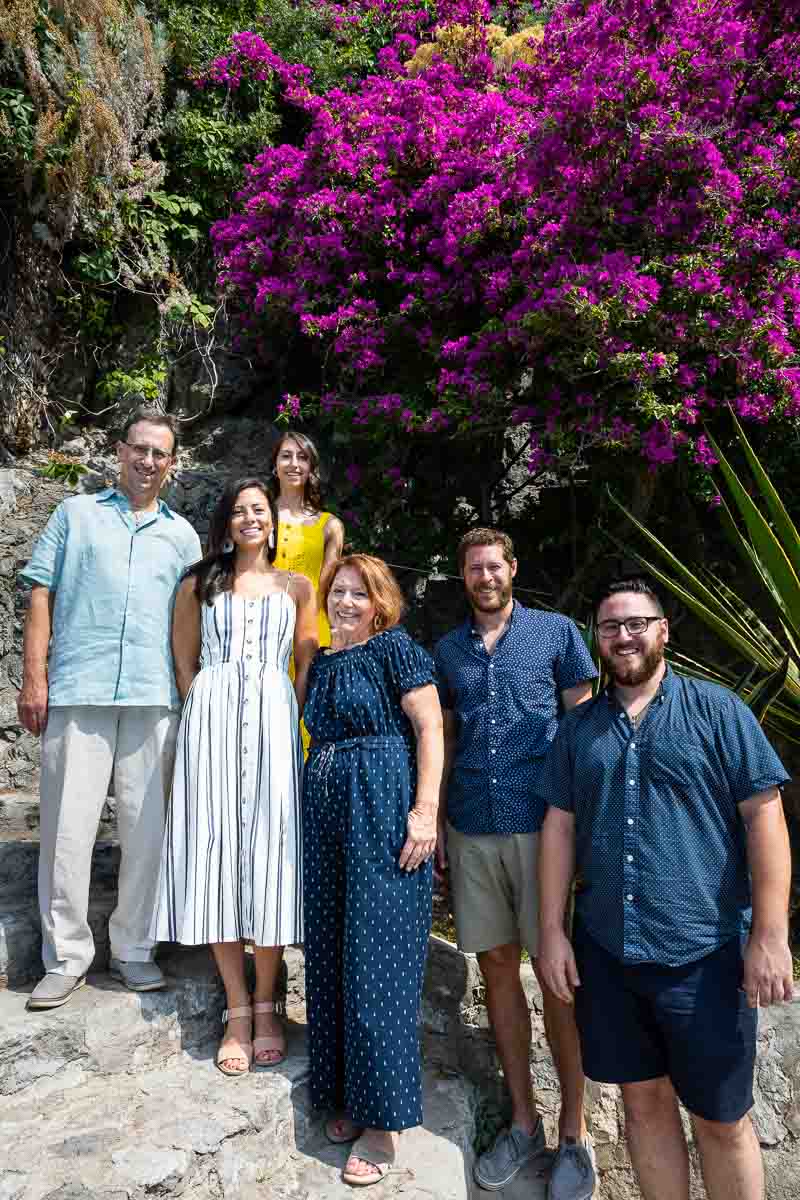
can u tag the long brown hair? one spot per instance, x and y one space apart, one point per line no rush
214 571
312 492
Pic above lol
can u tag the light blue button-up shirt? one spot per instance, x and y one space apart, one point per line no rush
114 584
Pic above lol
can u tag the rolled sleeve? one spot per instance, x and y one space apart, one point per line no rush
749 761
554 782
46 561
574 664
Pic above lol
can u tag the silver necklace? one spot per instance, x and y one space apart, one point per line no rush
636 720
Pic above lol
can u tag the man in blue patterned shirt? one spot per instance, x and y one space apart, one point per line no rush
664 792
505 676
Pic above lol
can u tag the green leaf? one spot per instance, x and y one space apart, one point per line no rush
767 691
785 526
775 562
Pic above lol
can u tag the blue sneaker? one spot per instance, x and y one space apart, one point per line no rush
513 1148
573 1176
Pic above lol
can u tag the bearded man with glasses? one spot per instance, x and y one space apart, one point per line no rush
665 793
99 687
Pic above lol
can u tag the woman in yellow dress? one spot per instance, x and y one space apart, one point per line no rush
309 539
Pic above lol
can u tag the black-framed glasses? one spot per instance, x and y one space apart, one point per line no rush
159 456
631 625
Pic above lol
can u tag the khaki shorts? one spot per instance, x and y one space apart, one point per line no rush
493 886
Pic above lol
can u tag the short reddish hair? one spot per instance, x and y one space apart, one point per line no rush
485 537
381 585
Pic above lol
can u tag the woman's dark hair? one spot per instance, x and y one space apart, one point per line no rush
312 492
214 572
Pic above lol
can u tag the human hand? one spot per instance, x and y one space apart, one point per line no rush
768 975
32 705
420 842
556 964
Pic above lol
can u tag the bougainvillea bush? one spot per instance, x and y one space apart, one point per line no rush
604 242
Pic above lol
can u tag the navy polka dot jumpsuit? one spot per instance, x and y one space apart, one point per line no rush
367 922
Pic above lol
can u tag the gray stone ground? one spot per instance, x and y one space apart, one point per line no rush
115 1097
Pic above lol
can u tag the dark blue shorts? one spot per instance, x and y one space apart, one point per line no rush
691 1023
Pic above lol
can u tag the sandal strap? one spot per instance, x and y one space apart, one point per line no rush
244 1010
276 1042
383 1159
234 1049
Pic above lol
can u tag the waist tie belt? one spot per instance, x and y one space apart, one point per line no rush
321 754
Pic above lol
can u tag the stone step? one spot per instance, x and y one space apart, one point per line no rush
20 930
105 1029
21 938
19 815
19 863
115 1096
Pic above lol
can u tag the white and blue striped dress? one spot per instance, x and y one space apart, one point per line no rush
231 865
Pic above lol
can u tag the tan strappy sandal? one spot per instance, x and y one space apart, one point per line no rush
379 1157
234 1048
276 1041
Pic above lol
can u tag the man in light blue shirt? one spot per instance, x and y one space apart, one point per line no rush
98 685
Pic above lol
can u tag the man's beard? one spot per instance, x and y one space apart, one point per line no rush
498 599
633 675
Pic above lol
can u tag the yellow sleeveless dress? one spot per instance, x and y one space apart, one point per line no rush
301 548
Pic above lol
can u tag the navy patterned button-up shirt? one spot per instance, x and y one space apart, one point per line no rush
660 844
506 706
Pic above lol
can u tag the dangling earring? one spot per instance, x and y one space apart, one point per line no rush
377 622
228 546
271 539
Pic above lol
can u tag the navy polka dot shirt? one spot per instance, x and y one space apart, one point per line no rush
660 843
507 708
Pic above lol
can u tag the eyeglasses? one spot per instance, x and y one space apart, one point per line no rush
140 451
632 625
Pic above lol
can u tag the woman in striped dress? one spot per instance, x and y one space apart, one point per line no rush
231 868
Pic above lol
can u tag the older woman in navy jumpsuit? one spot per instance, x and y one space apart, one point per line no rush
370 795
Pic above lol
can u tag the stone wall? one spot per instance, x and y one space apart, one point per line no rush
216 453
457 1037
26 501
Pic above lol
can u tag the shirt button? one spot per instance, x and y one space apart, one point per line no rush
630 820
494 752
633 745
494 781
493 721
629 896
629 857
250 656
252 603
244 749
632 782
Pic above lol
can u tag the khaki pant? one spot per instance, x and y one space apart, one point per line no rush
494 889
82 746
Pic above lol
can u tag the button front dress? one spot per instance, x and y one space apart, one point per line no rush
367 921
231 864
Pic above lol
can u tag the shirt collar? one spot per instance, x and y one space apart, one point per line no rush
122 501
472 630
